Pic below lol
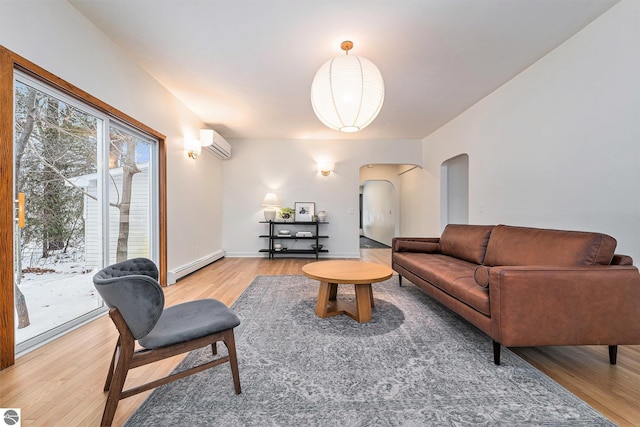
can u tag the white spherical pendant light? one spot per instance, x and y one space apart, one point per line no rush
347 92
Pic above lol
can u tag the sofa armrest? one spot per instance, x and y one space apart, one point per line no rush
619 259
416 244
582 305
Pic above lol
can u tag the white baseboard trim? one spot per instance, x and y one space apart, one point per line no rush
177 273
354 255
322 255
245 255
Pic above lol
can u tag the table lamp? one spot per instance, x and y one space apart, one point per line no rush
271 202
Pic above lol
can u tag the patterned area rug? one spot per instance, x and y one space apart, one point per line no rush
415 364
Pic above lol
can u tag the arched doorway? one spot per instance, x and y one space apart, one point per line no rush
381 201
378 211
454 191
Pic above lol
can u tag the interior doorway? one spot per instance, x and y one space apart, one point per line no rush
380 203
379 211
454 191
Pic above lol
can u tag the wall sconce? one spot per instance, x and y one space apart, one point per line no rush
271 202
325 168
192 147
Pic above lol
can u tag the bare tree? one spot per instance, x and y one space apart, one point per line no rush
21 143
123 151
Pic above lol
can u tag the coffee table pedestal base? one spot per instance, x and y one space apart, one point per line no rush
328 305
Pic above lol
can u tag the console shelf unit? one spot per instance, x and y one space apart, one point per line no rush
293 226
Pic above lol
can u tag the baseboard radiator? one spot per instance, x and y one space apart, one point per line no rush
178 273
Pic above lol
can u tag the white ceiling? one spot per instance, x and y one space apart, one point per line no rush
245 66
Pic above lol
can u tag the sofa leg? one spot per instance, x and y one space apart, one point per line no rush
496 352
613 354
400 279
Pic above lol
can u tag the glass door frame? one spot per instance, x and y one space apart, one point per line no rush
103 143
9 61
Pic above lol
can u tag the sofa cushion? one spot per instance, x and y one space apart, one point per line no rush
467 242
451 275
534 246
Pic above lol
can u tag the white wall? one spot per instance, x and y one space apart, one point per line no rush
53 35
416 202
559 145
288 168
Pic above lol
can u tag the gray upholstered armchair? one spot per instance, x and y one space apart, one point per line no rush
136 301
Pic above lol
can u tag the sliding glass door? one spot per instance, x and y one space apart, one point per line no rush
85 191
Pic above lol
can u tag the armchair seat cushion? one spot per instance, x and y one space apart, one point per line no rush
189 321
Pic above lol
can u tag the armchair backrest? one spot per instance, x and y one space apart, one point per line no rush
132 287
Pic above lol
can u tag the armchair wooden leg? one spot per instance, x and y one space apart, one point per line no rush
107 383
399 280
230 342
119 375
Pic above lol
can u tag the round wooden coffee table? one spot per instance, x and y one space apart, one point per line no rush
333 273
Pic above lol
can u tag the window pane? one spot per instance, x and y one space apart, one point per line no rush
129 196
55 155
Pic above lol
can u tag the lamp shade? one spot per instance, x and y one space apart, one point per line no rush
192 147
325 168
347 93
271 200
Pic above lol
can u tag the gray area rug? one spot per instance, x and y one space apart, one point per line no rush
415 364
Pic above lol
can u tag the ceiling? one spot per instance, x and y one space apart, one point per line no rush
245 67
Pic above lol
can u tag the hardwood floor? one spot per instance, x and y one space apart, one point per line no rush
60 384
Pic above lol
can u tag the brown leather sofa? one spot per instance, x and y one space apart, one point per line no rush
528 286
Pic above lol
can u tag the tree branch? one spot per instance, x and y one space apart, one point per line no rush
59 172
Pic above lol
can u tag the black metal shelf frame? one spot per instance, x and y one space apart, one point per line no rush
273 235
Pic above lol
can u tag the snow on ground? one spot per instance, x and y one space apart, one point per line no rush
56 298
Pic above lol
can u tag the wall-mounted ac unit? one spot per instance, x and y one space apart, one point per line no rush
220 147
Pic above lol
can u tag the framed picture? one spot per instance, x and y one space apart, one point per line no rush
304 211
